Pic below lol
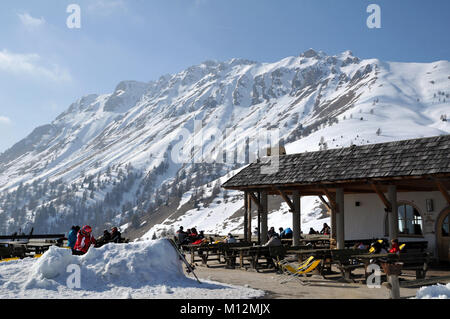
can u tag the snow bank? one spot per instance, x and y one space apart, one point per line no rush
149 269
434 292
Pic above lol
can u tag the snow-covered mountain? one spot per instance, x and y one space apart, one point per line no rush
109 158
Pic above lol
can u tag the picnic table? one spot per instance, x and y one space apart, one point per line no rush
314 242
208 250
253 254
22 249
417 261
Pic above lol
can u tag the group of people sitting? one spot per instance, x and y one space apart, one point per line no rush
274 238
81 239
380 247
190 236
326 230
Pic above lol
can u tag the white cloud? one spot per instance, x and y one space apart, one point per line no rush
29 21
5 120
31 65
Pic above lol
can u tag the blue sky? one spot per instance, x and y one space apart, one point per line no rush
45 66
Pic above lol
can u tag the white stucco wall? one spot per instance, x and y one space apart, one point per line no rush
367 221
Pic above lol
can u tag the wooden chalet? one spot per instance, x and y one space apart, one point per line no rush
392 190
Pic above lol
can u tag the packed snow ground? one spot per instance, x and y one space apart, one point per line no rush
143 270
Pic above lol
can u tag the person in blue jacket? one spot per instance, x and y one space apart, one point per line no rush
72 238
286 233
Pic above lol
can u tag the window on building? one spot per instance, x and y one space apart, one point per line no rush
445 227
409 220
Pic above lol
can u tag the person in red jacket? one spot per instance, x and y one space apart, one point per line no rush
394 247
84 241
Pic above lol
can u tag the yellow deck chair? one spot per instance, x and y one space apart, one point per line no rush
309 266
313 266
306 263
289 268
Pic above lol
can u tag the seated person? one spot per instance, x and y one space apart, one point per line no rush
273 241
116 236
181 236
193 235
312 231
326 230
378 248
286 233
230 239
360 246
271 232
395 249
103 240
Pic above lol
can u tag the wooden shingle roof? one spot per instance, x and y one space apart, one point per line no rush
408 158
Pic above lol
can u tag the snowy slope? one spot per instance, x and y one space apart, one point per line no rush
109 158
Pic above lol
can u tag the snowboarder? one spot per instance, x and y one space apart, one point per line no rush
84 241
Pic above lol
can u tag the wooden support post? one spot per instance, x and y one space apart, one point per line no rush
264 213
327 205
259 218
334 209
249 218
255 199
443 191
393 213
340 225
383 198
394 286
296 218
246 233
286 199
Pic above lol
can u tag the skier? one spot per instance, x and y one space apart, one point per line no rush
84 241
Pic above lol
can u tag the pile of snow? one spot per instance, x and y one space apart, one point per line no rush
434 292
149 269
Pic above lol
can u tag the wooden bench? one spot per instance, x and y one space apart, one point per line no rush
10 251
417 261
